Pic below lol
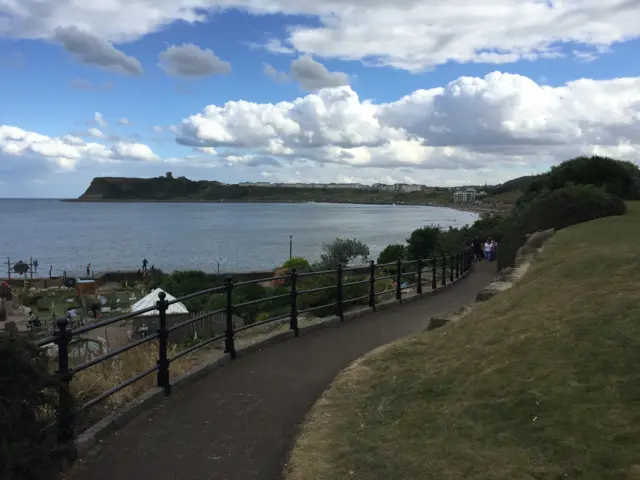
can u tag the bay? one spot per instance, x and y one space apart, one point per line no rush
239 237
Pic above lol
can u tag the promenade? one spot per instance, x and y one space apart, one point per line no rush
240 422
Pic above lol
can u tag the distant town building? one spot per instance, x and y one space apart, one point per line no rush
466 195
398 187
169 175
407 187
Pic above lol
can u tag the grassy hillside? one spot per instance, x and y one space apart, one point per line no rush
540 382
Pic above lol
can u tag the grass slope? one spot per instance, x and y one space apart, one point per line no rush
540 382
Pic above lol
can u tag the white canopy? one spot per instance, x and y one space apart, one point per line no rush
151 299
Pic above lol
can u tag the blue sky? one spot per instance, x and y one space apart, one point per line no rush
487 97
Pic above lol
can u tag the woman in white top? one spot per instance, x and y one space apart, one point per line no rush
487 251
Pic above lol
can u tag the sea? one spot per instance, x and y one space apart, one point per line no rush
225 237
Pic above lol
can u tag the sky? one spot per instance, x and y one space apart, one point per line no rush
436 92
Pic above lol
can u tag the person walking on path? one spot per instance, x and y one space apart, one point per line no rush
487 250
477 249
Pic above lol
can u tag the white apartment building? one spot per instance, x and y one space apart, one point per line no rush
407 187
466 195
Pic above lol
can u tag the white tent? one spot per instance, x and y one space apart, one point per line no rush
151 299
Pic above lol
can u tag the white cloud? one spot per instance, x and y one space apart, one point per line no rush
312 75
98 119
271 72
408 34
91 50
124 121
64 153
500 120
189 60
95 132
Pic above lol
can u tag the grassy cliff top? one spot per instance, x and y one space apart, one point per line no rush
540 382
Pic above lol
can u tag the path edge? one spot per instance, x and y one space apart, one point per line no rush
124 414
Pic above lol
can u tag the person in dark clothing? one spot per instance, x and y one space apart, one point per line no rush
88 269
145 262
50 270
477 249
35 266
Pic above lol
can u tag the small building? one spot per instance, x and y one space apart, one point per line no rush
85 287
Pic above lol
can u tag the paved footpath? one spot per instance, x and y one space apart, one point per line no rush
240 422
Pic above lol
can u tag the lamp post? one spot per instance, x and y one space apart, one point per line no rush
290 247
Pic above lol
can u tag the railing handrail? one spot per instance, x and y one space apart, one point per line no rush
459 263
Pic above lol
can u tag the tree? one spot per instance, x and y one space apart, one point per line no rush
343 252
423 242
393 252
29 402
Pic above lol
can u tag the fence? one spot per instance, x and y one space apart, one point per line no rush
438 271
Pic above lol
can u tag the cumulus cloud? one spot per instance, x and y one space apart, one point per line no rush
64 153
312 75
189 60
271 72
406 34
124 121
91 50
500 119
95 132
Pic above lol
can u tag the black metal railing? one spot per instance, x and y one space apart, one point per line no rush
459 264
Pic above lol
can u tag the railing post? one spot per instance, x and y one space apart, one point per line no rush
444 270
229 345
293 324
420 276
458 260
451 267
434 283
163 362
339 305
399 280
467 260
65 400
372 285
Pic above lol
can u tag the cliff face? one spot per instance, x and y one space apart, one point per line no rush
158 188
167 188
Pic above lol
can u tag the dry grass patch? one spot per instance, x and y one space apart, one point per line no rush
540 382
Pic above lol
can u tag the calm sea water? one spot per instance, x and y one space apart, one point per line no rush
174 236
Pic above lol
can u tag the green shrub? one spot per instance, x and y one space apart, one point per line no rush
557 209
27 404
299 263
614 176
391 253
423 242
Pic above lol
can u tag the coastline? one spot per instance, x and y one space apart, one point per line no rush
463 208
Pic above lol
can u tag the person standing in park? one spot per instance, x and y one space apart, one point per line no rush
145 262
35 266
88 269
